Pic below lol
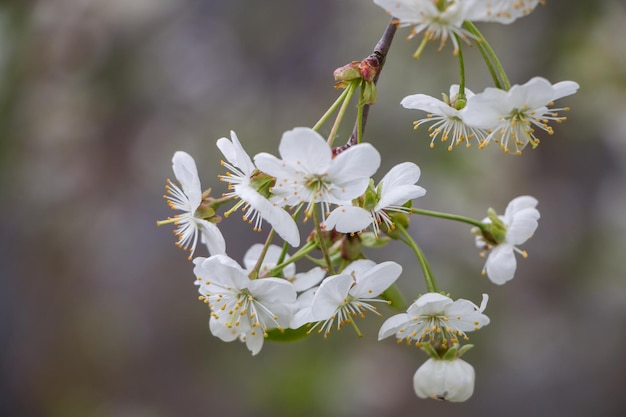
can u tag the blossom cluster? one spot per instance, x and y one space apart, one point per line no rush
332 192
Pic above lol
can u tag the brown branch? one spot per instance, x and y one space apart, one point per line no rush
375 60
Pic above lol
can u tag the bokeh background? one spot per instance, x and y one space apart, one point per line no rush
98 312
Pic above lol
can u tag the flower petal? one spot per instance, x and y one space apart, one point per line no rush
501 264
306 148
331 294
392 325
186 173
348 219
376 280
212 237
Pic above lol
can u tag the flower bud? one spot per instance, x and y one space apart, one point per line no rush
348 72
445 380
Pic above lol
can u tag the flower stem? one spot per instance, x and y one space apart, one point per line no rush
342 111
461 93
359 116
322 243
330 111
491 59
254 274
431 284
448 216
301 253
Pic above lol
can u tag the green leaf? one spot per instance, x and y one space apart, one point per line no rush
287 335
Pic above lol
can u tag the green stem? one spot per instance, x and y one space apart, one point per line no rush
255 271
431 285
301 253
346 101
449 216
359 115
330 111
491 59
322 243
461 94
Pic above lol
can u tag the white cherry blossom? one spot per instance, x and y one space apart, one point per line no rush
501 11
448 122
309 174
395 189
445 380
517 225
437 24
343 297
256 206
434 315
188 198
512 116
242 308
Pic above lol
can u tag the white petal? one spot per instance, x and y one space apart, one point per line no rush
399 195
445 380
522 227
186 173
563 89
219 329
306 148
254 340
306 280
358 161
273 166
331 294
235 154
273 290
348 219
280 220
519 203
376 280
270 260
428 104
212 237
346 191
501 264
393 324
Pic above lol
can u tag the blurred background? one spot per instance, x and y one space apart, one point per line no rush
99 315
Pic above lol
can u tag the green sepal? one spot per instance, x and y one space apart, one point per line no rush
451 353
463 349
288 335
393 294
369 240
430 350
262 183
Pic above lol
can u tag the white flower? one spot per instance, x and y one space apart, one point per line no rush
240 307
345 296
434 315
501 11
395 189
304 303
448 121
513 115
255 205
309 174
519 224
188 199
424 15
446 380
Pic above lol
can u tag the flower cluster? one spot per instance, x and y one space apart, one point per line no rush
329 207
508 118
